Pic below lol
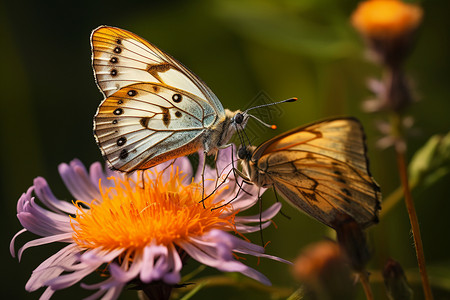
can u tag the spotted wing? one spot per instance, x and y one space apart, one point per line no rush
121 58
144 124
323 170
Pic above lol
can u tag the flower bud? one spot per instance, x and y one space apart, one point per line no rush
397 287
325 272
388 27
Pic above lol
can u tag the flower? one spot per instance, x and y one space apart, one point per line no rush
323 269
142 226
386 18
388 27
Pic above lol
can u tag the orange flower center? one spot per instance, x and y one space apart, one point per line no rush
386 18
130 216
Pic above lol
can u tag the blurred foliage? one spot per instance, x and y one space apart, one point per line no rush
431 162
285 48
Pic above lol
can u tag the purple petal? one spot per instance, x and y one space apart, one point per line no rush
78 181
175 265
264 216
249 229
52 267
47 197
65 237
13 240
127 271
151 252
47 294
224 159
99 256
70 279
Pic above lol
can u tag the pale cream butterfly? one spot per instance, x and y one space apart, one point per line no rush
155 109
321 168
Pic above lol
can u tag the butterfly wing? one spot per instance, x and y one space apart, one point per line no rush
155 109
121 58
142 125
323 170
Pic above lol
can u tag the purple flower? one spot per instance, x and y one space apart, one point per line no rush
141 226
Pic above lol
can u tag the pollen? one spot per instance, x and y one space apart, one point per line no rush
131 215
386 18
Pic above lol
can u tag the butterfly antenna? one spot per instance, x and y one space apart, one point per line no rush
265 105
246 136
269 104
273 126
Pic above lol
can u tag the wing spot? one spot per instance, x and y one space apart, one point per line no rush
156 89
178 114
158 68
347 192
114 60
117 50
120 102
177 98
119 42
118 111
113 72
114 122
123 154
166 116
132 93
310 196
144 122
121 141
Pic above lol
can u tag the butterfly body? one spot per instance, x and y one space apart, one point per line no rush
154 109
321 169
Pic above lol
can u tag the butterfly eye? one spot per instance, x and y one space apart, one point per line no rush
238 118
242 152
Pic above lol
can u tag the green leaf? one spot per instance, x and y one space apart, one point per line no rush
431 162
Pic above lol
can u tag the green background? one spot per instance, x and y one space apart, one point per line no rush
245 51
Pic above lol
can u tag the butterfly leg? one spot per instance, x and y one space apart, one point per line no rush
236 170
260 217
203 178
276 197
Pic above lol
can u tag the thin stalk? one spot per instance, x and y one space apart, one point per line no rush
364 279
414 223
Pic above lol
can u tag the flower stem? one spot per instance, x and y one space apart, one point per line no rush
364 279
414 222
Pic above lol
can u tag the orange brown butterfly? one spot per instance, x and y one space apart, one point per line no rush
321 168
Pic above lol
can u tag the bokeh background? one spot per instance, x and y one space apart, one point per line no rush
247 51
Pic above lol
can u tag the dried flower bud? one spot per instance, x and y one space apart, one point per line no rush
325 272
388 26
397 287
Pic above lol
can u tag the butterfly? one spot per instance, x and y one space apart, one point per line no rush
155 109
321 168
